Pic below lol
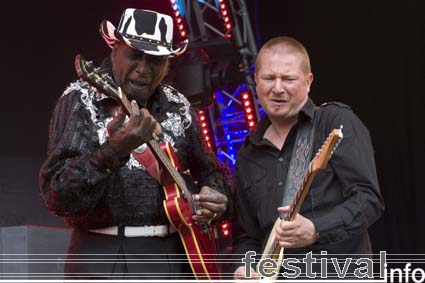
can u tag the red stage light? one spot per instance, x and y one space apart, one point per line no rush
205 130
226 19
178 19
247 101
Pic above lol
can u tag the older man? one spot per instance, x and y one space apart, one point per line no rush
93 176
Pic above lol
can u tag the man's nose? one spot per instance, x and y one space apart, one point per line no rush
142 65
278 86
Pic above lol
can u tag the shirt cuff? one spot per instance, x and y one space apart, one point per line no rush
107 159
329 229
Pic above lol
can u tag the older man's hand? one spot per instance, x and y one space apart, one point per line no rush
211 205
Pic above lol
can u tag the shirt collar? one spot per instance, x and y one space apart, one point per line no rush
306 112
308 109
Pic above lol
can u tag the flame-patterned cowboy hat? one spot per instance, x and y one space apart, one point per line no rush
147 31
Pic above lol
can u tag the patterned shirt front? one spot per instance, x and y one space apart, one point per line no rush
78 181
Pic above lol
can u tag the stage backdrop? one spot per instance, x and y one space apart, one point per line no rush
368 54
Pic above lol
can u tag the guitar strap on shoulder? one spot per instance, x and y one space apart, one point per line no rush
300 159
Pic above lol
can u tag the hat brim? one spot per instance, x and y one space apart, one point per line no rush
111 36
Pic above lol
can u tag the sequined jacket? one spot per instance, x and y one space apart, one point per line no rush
81 178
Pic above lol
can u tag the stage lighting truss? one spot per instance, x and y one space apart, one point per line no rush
206 18
231 117
178 13
222 29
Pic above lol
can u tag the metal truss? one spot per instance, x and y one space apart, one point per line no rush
207 29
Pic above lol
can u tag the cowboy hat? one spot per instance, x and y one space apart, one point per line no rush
144 30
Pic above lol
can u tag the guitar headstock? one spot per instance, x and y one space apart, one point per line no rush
328 148
88 72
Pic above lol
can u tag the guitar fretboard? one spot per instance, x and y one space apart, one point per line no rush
298 198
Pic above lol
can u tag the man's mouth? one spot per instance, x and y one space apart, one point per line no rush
279 101
138 84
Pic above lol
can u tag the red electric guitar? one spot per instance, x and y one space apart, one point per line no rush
199 241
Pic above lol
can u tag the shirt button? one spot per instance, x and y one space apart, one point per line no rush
280 159
280 183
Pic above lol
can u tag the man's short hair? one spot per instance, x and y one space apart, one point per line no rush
285 45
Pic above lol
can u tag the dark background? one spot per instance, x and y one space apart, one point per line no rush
368 54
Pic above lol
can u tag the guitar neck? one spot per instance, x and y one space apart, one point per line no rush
273 247
301 193
166 163
319 162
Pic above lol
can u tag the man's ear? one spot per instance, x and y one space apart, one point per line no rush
309 81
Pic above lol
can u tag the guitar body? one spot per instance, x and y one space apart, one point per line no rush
199 242
274 253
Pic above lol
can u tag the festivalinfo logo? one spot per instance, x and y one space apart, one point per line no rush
362 269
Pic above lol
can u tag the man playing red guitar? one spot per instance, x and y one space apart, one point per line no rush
92 177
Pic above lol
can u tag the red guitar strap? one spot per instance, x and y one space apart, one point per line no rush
148 160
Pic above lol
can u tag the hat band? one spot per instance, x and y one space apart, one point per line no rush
147 40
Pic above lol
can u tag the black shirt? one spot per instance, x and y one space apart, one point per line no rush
82 179
343 201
